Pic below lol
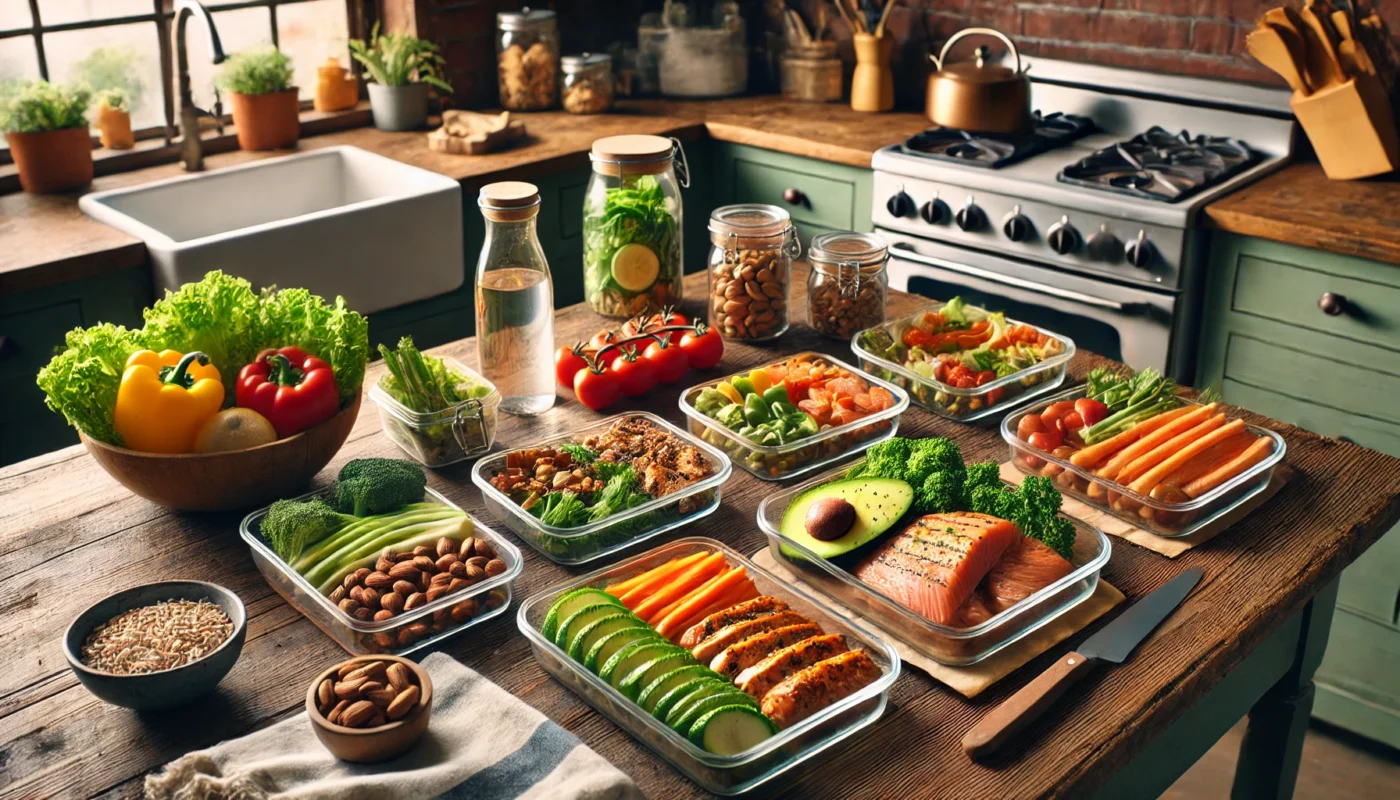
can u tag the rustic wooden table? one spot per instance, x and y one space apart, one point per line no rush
1246 641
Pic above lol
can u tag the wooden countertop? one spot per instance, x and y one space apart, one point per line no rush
1299 205
70 535
45 240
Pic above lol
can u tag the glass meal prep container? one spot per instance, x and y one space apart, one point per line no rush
1166 519
584 543
779 462
492 595
725 775
446 436
942 643
965 405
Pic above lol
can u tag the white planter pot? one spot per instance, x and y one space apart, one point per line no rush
399 108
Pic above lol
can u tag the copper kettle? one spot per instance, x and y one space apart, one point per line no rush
979 96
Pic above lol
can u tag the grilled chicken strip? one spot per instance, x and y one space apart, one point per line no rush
742 655
739 612
773 670
706 651
818 686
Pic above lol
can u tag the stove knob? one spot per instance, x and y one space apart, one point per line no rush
1139 251
1104 246
1062 236
1017 226
970 217
900 204
934 211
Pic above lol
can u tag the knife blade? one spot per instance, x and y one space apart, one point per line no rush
1111 645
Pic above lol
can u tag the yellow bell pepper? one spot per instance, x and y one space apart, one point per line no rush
163 399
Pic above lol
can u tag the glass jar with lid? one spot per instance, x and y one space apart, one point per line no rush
632 225
847 285
752 246
527 59
588 83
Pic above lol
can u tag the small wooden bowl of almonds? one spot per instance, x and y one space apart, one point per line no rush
370 708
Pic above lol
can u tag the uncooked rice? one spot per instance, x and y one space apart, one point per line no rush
157 637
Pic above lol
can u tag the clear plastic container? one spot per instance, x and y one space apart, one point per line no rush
725 775
944 644
1169 520
358 637
438 438
586 543
527 59
966 405
752 246
780 462
847 284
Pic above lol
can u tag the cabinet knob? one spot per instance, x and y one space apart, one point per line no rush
1332 304
794 197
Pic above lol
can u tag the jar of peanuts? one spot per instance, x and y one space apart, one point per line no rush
848 282
752 246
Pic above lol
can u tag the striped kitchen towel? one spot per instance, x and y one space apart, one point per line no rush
482 743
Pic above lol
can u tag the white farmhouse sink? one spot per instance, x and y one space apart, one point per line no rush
338 221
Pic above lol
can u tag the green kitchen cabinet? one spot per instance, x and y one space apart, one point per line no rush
1270 347
32 326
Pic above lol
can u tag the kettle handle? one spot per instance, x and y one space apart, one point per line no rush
943 54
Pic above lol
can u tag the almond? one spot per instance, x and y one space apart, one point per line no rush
465 551
404 571
380 580
391 602
445 562
377 720
338 595
359 713
399 676
424 581
347 668
414 601
464 611
419 630
349 606
363 614
383 614
478 561
384 564
349 582
495 567
382 697
404 703
361 573
370 686
334 717
436 592
458 569
445 546
423 550
384 641
457 584
425 563
475 572
370 599
325 693
348 688
484 549
358 595
440 579
407 636
405 588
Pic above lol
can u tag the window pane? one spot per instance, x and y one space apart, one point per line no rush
18 58
238 30
54 12
310 33
125 57
14 15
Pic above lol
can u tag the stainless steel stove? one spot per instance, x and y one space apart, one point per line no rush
1090 224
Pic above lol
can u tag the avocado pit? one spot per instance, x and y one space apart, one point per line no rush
830 518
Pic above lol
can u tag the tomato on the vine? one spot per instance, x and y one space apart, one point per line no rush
602 339
597 387
702 350
660 319
669 360
635 375
567 362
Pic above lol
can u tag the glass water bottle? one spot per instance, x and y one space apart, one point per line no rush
515 301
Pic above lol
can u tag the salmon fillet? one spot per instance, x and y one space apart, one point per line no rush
805 693
932 566
1025 568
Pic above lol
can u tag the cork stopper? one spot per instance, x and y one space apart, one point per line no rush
509 201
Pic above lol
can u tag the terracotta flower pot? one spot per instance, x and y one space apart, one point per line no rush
266 121
115 127
52 161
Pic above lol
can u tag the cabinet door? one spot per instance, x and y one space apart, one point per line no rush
827 196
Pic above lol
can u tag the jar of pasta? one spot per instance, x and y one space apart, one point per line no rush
752 246
527 59
847 285
588 83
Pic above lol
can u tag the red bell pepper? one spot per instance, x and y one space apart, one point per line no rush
293 390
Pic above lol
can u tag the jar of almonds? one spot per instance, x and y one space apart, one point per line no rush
847 285
527 59
752 246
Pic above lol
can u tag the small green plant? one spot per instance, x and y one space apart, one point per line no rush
398 59
36 106
258 71
115 99
113 67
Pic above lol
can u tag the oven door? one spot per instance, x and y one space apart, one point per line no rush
1124 323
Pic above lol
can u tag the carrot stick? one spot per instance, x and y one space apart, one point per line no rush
746 591
696 575
675 564
1210 459
697 600
1162 434
660 615
1177 459
1252 455
1134 470
641 592
1090 456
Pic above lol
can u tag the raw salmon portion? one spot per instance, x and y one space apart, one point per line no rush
934 564
1025 568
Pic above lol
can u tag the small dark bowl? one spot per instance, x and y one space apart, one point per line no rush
167 688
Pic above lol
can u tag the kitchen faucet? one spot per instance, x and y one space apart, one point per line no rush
191 149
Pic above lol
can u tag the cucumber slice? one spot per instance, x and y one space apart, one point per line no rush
697 694
683 716
635 267
632 656
580 619
571 602
584 638
728 730
679 693
603 649
641 677
652 693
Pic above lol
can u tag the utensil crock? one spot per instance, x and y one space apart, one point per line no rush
872 84
979 95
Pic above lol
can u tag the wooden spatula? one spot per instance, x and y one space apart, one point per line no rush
1268 46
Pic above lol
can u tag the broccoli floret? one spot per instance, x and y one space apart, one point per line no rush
376 485
291 525
998 501
1060 537
888 459
983 473
928 456
941 492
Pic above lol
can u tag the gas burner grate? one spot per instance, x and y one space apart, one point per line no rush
990 150
1159 165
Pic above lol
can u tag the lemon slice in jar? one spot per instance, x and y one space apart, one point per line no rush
635 267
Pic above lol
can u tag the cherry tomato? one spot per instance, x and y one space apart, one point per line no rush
965 381
567 362
635 376
669 360
1042 441
1072 421
597 389
663 318
702 351
1029 424
985 376
602 339
1055 411
1092 411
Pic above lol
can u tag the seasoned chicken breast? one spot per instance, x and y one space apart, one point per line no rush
706 651
740 656
773 670
739 612
818 686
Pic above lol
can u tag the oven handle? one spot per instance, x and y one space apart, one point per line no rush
907 252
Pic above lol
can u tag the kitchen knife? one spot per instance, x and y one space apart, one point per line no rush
1113 644
1270 45
1324 67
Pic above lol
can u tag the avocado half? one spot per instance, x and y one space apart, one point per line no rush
879 504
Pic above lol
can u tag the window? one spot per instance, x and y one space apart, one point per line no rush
117 43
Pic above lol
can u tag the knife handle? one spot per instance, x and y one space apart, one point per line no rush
1025 706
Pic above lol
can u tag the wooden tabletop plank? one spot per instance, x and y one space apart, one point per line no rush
69 535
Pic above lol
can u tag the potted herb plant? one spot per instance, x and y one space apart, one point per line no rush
264 102
47 129
402 67
114 120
